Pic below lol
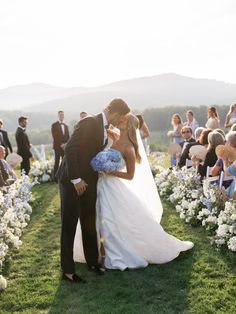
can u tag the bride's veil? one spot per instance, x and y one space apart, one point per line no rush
144 186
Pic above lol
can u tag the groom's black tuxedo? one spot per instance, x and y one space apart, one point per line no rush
86 141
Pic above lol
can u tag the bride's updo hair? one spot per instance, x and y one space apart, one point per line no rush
132 126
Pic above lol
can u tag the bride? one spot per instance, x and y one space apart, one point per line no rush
129 211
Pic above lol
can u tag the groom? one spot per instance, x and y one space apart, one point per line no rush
78 186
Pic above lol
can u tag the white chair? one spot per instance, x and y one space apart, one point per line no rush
214 178
226 178
188 163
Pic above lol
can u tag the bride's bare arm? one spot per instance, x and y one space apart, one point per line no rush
130 160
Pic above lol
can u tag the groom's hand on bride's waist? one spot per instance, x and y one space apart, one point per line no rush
81 187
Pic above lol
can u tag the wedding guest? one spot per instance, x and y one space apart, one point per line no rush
6 171
191 121
60 134
4 140
187 135
228 167
214 139
231 191
220 165
175 134
203 139
83 114
221 132
185 153
231 116
23 144
213 121
144 131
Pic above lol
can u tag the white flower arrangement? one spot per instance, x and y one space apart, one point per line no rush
41 168
41 171
14 217
200 202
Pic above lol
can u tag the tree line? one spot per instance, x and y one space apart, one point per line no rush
157 119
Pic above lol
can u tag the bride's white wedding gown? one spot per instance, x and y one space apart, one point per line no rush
128 221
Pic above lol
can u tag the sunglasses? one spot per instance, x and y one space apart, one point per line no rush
185 132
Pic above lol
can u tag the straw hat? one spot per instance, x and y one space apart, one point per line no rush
222 149
174 148
13 159
199 151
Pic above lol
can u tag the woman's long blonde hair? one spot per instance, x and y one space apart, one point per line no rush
231 109
133 125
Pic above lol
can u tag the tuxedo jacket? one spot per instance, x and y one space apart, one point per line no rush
58 136
5 141
23 143
85 142
191 140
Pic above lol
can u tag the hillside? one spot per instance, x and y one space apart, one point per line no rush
141 93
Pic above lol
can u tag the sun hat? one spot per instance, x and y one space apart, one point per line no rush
174 148
225 149
13 159
199 151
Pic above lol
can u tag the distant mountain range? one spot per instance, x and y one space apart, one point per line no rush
140 93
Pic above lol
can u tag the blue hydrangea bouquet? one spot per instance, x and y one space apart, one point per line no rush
109 160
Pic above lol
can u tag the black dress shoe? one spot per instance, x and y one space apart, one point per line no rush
96 269
75 279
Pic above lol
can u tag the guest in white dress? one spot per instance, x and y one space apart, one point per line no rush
191 121
231 116
213 121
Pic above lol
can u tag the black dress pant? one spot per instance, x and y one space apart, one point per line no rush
59 154
72 208
25 165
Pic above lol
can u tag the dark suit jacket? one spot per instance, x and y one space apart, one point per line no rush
58 136
23 143
85 142
191 140
185 153
6 143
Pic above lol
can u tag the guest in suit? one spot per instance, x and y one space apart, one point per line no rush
23 144
60 134
4 140
187 135
78 186
185 153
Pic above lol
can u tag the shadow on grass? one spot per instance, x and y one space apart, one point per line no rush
176 287
155 289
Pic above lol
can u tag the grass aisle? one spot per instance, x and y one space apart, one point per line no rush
200 281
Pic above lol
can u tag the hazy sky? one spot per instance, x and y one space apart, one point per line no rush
87 43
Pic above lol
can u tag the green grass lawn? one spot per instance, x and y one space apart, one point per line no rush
199 281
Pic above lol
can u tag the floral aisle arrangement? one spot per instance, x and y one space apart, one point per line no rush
14 217
199 202
41 168
41 171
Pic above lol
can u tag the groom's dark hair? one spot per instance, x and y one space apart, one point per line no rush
118 105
